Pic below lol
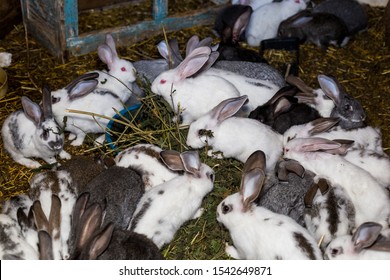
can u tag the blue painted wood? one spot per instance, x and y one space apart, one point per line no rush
160 10
71 18
125 35
55 25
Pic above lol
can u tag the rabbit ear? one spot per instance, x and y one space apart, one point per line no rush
319 144
296 81
252 178
284 91
172 160
345 145
322 124
55 217
191 162
79 208
106 55
32 110
100 242
46 102
323 185
82 88
309 196
255 160
228 108
175 51
192 43
365 235
241 23
81 78
90 222
281 106
111 43
212 58
287 166
331 88
45 245
41 221
193 62
251 185
301 21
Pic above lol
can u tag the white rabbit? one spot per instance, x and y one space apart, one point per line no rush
329 212
323 157
57 195
370 242
121 75
377 164
83 94
164 208
19 239
33 132
257 232
191 97
258 91
367 138
145 159
265 20
235 137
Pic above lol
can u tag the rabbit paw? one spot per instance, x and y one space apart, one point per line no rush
100 140
79 140
71 136
214 154
65 155
232 251
198 213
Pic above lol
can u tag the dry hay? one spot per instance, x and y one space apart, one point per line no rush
363 68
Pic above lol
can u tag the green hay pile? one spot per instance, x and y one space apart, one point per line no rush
363 68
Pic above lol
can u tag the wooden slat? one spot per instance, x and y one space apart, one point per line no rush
125 35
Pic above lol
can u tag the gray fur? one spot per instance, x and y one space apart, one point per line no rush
286 197
119 189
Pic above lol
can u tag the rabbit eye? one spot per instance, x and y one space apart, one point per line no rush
55 100
348 107
123 69
336 251
226 208
163 81
45 134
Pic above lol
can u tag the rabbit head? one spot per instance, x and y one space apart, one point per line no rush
201 131
120 68
234 207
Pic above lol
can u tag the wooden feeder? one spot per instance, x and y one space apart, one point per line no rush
54 24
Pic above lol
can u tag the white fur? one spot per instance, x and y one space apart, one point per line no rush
348 252
370 199
192 97
261 234
264 21
180 202
320 225
42 185
368 137
5 59
80 124
258 91
377 164
141 158
22 140
237 138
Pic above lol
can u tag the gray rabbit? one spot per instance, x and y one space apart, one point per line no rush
321 29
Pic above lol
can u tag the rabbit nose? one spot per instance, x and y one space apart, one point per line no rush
56 146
